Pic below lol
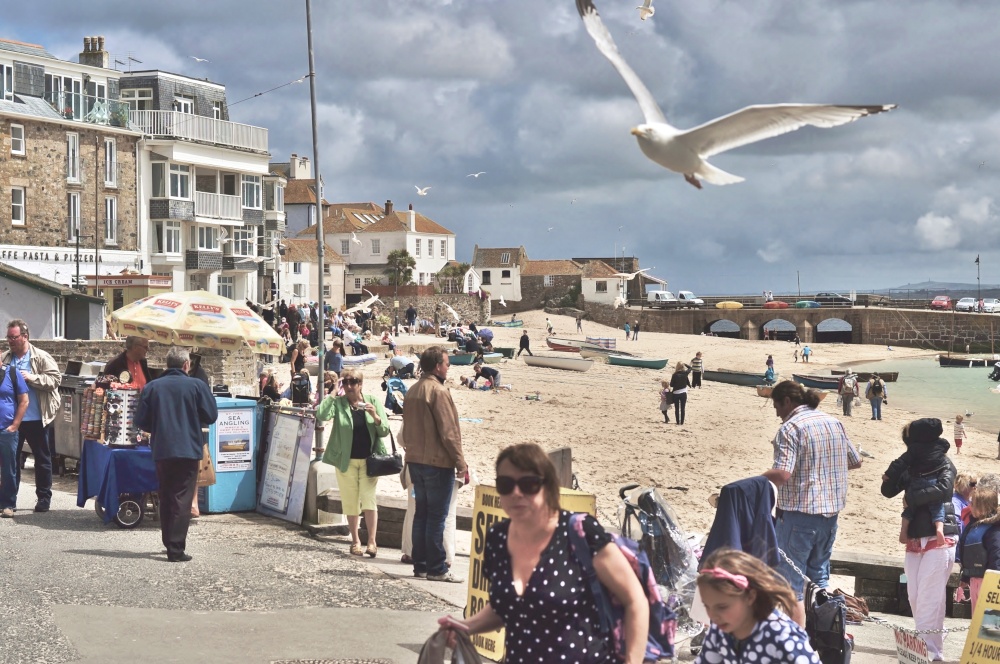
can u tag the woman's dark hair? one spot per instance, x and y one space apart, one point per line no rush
531 458
796 393
771 588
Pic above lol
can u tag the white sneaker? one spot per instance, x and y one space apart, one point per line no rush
7 513
447 577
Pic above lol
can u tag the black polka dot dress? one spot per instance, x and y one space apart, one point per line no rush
775 639
555 620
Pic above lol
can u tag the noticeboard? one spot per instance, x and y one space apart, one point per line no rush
982 644
286 468
485 512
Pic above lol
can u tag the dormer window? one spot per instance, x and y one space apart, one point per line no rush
505 258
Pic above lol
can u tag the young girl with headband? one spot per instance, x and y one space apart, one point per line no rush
749 604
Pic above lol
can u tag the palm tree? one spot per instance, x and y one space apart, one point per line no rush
450 277
399 267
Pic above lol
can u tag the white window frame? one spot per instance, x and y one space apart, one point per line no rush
180 182
138 99
326 291
279 198
172 236
444 248
18 206
505 258
416 249
376 247
312 216
251 192
243 242
226 286
299 290
6 82
430 248
357 283
184 104
110 220
296 267
17 143
548 281
73 215
158 179
345 247
110 163
205 238
72 157
58 317
600 286
217 110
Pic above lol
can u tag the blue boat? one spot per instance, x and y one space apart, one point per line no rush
817 382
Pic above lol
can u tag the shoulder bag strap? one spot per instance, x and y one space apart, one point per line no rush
581 550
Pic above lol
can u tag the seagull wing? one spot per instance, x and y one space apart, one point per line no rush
755 123
606 45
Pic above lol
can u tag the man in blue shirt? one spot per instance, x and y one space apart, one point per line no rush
13 404
173 409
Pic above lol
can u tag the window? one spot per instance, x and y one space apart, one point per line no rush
326 268
312 216
139 99
345 247
420 278
376 247
357 283
602 286
225 287
486 278
548 281
217 110
110 163
111 220
505 258
65 95
416 249
158 173
251 192
184 104
58 317
205 237
17 211
243 242
505 274
296 268
73 214
180 181
279 198
17 139
299 290
444 248
6 82
73 157
326 290
167 237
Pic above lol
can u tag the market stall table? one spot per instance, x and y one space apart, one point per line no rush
108 473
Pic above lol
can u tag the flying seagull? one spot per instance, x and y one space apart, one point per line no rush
685 151
621 302
629 276
502 303
354 239
450 310
421 192
475 175
366 305
646 9
199 59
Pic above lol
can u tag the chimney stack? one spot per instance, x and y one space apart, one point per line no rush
388 207
93 54
413 219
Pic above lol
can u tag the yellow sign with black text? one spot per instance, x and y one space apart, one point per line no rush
485 512
982 645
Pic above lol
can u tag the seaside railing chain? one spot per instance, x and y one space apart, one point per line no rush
874 619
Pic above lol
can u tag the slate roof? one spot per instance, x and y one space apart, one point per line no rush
553 268
25 48
482 257
33 106
400 221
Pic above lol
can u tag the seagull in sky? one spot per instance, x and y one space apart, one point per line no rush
451 311
421 192
620 302
354 239
551 228
502 303
629 276
475 175
685 151
199 59
646 9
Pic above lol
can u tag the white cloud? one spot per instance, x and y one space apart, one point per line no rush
937 232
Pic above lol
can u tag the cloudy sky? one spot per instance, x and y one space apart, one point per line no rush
423 92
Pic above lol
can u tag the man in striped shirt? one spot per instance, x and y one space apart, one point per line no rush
812 455
697 366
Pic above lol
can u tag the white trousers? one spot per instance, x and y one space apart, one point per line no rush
927 586
449 522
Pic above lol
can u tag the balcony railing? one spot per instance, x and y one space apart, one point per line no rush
218 206
89 109
173 124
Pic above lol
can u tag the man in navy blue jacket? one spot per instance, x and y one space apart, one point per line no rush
173 408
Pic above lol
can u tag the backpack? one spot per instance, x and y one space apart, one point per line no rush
850 383
301 388
826 625
973 550
876 390
662 620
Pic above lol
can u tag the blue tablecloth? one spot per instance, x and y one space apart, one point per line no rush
106 472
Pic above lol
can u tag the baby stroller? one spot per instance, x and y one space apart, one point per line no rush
395 395
646 518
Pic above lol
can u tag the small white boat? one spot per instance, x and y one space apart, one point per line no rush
492 358
601 353
356 360
549 362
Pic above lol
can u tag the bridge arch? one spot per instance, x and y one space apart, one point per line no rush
777 328
834 330
722 327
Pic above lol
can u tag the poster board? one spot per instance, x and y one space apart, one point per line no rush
282 491
982 644
485 512
234 440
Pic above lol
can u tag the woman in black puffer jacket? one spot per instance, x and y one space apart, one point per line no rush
927 564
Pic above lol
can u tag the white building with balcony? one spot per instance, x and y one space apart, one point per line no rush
214 209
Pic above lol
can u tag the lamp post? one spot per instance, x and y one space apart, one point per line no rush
395 302
77 236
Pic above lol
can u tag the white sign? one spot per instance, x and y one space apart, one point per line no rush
234 440
286 469
910 648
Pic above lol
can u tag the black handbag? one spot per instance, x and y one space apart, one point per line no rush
378 465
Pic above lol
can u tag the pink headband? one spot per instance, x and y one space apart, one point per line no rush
737 580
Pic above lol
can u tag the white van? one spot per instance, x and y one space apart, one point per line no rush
686 298
661 298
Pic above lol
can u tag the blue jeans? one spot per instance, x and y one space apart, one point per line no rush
9 464
876 408
432 488
807 539
936 509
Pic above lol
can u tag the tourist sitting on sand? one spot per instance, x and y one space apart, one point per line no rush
387 340
769 376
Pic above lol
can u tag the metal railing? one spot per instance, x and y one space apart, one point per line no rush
218 206
88 108
173 124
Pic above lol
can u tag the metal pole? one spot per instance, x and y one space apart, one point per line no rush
798 283
318 447
77 234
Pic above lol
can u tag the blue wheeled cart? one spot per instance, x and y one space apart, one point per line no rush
233 443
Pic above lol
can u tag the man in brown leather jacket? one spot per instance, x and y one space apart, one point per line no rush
434 458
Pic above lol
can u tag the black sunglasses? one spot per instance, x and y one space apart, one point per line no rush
529 485
972 485
351 381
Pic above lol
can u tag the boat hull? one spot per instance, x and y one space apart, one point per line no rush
601 353
865 376
959 361
462 359
817 382
623 361
506 351
742 378
775 304
807 304
510 323
565 363
492 358
728 304
569 345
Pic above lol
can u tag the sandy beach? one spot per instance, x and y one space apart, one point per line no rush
610 418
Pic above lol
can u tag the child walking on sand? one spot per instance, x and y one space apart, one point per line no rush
925 459
749 604
665 399
959 433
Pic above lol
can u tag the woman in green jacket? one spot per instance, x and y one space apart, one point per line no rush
359 424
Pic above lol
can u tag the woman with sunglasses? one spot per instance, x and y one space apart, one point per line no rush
359 424
535 577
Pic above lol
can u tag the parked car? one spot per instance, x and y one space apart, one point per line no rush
991 305
686 298
835 299
941 302
661 298
966 304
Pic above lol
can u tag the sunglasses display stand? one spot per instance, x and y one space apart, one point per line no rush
119 418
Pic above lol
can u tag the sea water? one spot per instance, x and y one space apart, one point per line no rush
929 390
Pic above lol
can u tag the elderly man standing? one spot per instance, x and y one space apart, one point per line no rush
173 409
434 458
812 455
132 360
42 377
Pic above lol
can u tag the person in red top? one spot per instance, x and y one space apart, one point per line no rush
133 360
